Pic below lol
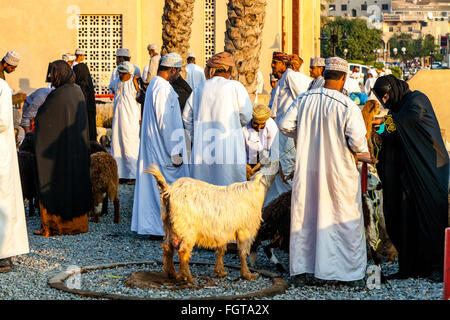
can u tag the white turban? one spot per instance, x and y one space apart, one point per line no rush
171 60
191 55
12 58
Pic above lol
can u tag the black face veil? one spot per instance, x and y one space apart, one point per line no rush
395 88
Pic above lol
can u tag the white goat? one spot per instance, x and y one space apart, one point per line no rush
197 213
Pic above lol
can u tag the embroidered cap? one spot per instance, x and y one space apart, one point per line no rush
123 53
317 62
171 60
12 58
336 64
80 52
261 114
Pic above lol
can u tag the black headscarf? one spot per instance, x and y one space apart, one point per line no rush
61 73
183 90
395 88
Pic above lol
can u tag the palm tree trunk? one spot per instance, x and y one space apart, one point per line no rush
176 21
243 39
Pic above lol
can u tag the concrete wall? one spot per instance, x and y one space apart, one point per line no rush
41 32
435 84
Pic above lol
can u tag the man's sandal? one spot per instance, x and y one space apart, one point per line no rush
5 265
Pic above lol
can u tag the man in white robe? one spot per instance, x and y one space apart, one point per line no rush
214 116
290 86
13 229
327 228
260 135
162 143
351 86
69 58
122 55
125 126
194 73
316 68
153 65
370 83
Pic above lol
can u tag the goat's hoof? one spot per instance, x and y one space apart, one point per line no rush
170 275
391 260
185 279
220 273
250 276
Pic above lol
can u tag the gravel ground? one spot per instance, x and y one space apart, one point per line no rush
107 243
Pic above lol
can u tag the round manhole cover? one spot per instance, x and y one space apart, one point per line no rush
129 281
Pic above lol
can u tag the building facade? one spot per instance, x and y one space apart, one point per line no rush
416 17
43 32
418 24
358 8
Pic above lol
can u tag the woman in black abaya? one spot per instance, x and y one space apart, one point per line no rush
414 170
84 80
62 157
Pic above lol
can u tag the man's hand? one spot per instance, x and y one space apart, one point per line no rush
177 166
365 157
177 160
249 172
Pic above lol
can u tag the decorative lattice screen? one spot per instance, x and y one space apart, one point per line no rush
100 36
210 23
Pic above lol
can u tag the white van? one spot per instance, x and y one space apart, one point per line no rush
363 71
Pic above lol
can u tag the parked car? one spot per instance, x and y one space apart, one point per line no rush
436 65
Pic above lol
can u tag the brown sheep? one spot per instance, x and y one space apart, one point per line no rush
28 174
276 228
105 182
198 213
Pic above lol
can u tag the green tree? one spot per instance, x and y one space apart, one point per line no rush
361 39
399 41
415 48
